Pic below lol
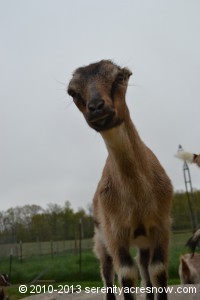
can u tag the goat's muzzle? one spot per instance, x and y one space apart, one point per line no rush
100 116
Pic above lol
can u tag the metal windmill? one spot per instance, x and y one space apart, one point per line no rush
189 192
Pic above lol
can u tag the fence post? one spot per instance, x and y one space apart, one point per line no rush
80 245
10 264
21 251
39 247
63 246
75 243
52 254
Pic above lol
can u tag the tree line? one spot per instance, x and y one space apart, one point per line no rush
181 210
31 223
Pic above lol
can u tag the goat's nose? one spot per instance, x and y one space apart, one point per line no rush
96 105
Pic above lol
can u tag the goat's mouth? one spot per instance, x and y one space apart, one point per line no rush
104 122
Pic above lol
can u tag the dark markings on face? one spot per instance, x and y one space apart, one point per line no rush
97 90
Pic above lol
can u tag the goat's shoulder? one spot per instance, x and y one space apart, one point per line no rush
159 176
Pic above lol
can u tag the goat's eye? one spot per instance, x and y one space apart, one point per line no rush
76 97
72 93
120 78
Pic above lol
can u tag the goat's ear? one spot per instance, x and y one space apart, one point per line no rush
127 72
185 269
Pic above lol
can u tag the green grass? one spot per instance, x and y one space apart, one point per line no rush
65 268
60 268
177 248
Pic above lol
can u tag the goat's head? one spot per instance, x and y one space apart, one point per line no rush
98 90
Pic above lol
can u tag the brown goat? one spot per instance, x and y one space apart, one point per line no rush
194 241
189 268
133 198
3 283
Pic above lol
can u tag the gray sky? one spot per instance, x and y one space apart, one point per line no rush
48 153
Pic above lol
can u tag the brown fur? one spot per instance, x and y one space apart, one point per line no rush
189 269
197 159
3 283
134 191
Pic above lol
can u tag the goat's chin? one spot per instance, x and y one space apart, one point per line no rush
105 124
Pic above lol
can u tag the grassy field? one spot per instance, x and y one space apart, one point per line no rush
65 268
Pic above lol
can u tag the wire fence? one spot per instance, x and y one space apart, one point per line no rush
181 222
24 250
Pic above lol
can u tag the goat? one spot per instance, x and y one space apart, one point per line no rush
131 205
194 241
189 157
189 268
197 159
3 283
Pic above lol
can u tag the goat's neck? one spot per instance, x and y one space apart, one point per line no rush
126 150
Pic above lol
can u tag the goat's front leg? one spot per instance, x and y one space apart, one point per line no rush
143 260
107 273
106 266
158 267
127 272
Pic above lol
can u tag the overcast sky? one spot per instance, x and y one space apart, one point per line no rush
48 154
